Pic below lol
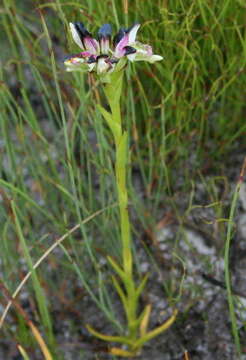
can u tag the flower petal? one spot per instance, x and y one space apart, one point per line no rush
105 31
119 50
143 53
91 45
91 66
82 55
76 36
132 32
129 50
144 57
86 54
76 64
143 48
83 38
119 36
154 58
102 64
104 45
104 35
131 57
81 29
92 59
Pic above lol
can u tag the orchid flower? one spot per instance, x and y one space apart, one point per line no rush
107 57
97 54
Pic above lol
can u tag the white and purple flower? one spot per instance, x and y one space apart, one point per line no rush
97 54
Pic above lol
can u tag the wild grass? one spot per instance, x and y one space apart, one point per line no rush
185 117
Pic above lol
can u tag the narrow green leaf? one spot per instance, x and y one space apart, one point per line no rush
145 320
122 296
141 286
117 268
120 291
114 126
150 335
122 353
114 88
119 339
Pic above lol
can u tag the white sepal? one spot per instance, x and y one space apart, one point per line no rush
76 36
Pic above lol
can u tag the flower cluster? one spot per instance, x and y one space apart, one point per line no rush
103 54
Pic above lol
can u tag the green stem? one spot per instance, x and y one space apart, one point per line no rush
121 145
120 172
129 293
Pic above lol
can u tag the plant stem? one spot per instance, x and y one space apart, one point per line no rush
121 145
120 172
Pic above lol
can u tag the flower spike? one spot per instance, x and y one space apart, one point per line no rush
98 56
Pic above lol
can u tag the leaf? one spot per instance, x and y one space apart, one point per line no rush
109 338
145 320
151 334
114 88
121 293
141 286
114 126
121 352
123 298
117 268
